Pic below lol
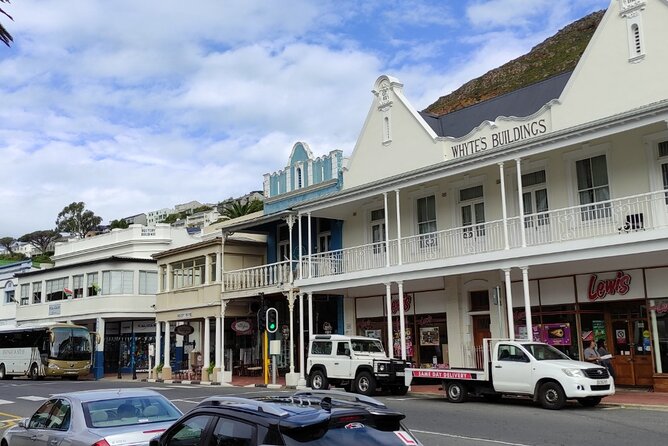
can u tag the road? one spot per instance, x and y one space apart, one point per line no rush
433 419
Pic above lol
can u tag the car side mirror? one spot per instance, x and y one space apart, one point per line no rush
23 423
154 442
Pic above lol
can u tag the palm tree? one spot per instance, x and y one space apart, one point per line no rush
5 37
236 208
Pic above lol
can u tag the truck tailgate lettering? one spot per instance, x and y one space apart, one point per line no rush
441 374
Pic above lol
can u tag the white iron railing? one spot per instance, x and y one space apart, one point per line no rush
472 357
274 274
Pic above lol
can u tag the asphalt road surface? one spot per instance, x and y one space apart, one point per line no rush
436 422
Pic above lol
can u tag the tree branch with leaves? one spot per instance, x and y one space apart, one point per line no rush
5 36
77 220
41 240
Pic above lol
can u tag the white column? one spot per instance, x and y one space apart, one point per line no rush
291 222
402 322
158 347
509 304
302 371
310 315
168 281
310 248
207 269
291 307
527 301
219 269
655 337
396 192
168 351
387 232
222 263
388 309
504 207
521 202
301 254
218 346
207 344
223 306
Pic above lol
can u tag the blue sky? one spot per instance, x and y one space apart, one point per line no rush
133 106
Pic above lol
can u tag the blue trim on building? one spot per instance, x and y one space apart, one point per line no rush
340 329
178 358
98 365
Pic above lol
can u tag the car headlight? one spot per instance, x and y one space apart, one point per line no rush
53 366
381 367
577 373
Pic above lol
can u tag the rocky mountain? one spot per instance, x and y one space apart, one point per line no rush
555 55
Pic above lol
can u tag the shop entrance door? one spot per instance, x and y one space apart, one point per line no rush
632 352
481 331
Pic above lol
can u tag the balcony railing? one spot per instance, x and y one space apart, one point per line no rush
620 216
274 274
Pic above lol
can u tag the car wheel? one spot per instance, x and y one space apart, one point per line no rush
590 401
399 390
457 392
348 387
365 383
2 372
551 396
4 442
319 380
34 372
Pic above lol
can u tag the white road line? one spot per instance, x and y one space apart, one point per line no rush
33 398
159 388
468 438
180 387
6 402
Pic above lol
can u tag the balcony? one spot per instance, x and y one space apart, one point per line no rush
258 278
636 213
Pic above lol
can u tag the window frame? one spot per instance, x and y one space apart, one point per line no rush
597 209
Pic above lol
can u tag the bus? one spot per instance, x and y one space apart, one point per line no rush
52 349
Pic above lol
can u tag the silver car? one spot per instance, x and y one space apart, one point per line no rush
95 418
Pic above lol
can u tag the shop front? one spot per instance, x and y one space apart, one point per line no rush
126 345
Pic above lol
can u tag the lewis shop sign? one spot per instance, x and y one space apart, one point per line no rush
610 286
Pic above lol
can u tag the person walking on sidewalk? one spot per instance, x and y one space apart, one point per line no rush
605 357
590 353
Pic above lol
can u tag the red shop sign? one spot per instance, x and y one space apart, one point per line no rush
598 289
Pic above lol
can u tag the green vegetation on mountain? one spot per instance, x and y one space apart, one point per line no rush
557 54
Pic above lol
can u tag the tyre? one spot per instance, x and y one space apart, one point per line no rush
457 392
590 401
551 396
3 374
348 387
34 372
319 380
399 390
365 383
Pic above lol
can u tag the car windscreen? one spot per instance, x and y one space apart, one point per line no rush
128 411
544 352
357 434
367 346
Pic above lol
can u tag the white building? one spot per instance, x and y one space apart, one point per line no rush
155 217
8 289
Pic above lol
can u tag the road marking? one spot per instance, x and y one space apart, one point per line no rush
180 387
468 438
403 399
6 402
33 398
159 388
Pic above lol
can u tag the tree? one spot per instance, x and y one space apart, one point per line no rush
5 37
41 240
121 224
76 219
7 243
236 208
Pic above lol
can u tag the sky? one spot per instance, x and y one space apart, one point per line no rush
132 106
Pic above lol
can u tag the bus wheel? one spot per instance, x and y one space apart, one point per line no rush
34 372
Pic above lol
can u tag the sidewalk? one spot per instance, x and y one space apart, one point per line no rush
624 397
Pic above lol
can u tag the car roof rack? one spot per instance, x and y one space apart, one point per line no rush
338 396
255 405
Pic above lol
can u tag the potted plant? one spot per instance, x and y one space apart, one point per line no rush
209 372
158 370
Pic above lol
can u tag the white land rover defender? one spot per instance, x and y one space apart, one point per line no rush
356 363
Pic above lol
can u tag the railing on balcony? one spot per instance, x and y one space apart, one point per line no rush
274 274
620 216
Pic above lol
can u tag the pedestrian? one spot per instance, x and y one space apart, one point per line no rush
590 353
606 357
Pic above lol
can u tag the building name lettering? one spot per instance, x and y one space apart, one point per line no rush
599 289
498 139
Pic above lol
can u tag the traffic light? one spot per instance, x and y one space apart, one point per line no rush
272 320
262 313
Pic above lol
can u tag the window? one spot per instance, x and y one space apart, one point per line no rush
324 234
663 153
343 349
148 282
60 417
473 211
511 353
299 178
40 419
283 252
534 198
213 273
78 285
635 29
230 432
9 296
25 294
117 282
479 300
190 431
426 220
188 273
36 292
387 135
55 289
93 284
163 278
592 175
378 230
321 348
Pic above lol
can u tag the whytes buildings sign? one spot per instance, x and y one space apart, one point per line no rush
498 137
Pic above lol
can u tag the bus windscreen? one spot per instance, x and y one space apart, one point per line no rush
70 344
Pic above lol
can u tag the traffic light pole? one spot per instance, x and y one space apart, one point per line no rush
266 357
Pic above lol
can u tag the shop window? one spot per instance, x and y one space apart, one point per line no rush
659 310
479 300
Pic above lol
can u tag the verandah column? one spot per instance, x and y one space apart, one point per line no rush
207 345
509 304
302 371
527 301
521 202
388 303
387 232
167 367
402 322
399 262
504 207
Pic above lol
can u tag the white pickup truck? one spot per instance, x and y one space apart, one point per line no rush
524 368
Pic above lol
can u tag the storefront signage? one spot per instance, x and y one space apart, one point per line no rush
660 308
54 309
441 374
408 300
184 330
599 289
499 138
557 334
241 327
187 315
144 327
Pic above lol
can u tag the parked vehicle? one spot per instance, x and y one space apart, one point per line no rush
303 419
357 364
524 368
95 418
39 350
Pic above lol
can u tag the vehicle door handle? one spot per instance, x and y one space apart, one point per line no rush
336 363
33 438
498 367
